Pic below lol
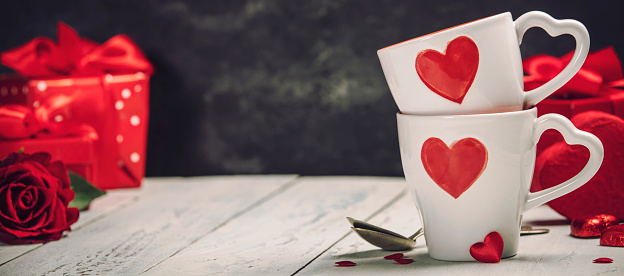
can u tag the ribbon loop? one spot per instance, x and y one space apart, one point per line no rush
75 56
602 70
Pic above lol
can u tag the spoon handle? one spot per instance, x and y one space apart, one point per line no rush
416 235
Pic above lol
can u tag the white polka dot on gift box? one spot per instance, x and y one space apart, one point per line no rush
134 120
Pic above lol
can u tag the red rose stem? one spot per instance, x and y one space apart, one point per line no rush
613 236
345 263
592 225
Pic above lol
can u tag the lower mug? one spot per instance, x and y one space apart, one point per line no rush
470 174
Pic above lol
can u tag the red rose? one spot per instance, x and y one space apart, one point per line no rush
34 194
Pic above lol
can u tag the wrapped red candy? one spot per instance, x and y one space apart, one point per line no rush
613 236
592 225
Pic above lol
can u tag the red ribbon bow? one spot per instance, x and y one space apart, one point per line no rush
19 122
76 56
601 72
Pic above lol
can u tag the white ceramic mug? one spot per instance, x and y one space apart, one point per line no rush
474 67
471 174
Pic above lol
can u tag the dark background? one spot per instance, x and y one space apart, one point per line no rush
281 86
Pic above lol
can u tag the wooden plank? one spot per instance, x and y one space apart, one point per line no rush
556 253
284 234
167 217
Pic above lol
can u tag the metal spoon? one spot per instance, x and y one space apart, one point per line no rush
382 238
388 240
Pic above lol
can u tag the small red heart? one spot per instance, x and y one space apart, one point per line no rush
490 250
450 74
454 168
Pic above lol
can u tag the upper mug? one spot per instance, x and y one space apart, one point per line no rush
475 67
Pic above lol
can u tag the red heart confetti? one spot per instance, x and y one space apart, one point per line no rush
613 236
454 168
403 261
603 261
449 74
394 256
592 225
490 250
345 263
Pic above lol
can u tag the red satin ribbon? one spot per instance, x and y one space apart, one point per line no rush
76 56
19 122
601 72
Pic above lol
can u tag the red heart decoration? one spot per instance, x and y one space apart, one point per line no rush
490 250
454 168
450 74
604 193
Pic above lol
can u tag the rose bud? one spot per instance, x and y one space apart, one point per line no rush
34 193
592 225
613 236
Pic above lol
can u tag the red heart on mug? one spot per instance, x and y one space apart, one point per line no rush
490 250
454 168
449 74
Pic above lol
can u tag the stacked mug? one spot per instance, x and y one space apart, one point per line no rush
468 130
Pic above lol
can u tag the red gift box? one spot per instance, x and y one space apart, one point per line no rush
79 83
597 86
77 152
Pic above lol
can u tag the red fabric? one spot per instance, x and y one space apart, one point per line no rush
490 250
604 193
76 56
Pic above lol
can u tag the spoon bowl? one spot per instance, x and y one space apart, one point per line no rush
383 238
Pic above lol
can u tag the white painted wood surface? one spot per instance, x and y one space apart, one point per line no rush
276 225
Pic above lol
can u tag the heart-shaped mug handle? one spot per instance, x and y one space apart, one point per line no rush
554 28
572 136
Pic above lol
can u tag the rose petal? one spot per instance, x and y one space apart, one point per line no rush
394 256
603 260
345 263
613 236
403 261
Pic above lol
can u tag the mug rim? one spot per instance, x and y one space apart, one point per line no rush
429 35
477 115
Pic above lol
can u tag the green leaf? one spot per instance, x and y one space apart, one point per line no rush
85 192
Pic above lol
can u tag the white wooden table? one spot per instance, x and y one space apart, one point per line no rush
276 225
